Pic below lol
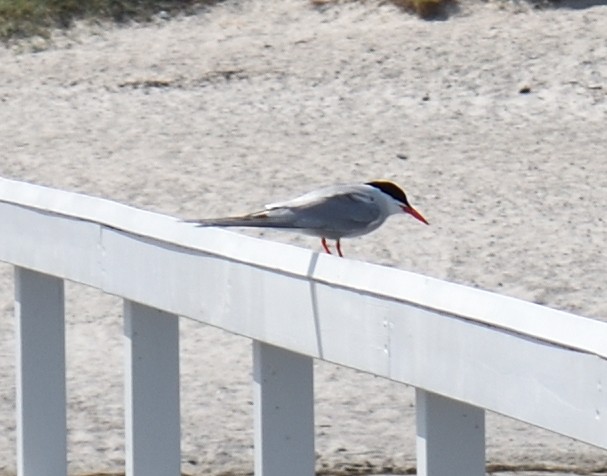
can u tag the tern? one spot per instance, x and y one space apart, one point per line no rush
335 212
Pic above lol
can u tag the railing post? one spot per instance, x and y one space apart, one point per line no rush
152 425
284 412
450 437
41 395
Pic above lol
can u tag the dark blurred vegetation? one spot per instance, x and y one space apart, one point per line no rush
22 18
427 9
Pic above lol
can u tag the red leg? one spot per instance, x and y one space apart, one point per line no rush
325 246
338 246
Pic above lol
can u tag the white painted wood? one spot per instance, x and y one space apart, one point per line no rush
533 381
387 283
539 365
151 392
284 412
41 241
450 437
41 395
238 298
401 341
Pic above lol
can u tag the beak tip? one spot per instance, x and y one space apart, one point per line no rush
414 213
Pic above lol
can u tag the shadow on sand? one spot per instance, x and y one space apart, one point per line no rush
578 4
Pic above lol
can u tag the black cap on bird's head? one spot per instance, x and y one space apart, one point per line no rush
398 194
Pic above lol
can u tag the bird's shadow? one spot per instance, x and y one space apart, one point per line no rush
314 298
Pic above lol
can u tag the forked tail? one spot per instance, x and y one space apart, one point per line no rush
260 219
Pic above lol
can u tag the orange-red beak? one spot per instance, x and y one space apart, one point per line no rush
415 214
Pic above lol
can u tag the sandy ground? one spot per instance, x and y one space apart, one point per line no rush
255 101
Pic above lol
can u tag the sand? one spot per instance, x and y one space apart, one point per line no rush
494 122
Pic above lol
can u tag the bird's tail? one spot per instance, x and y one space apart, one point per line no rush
261 219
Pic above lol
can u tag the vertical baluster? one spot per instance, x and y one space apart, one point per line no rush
151 392
450 437
41 394
284 412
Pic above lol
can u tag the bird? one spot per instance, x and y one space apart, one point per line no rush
330 213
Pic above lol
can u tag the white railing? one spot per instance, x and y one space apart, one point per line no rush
465 350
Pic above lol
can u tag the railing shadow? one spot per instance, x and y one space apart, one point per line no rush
579 4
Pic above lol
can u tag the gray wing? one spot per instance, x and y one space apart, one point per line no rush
334 214
339 215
